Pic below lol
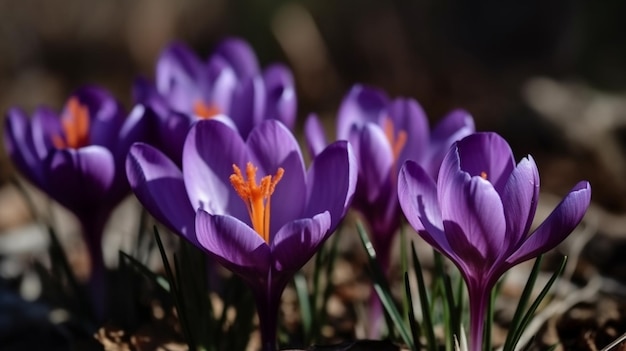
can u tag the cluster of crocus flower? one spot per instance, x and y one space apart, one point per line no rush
479 214
229 86
77 158
385 133
214 160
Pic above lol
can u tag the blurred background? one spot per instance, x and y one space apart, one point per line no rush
550 76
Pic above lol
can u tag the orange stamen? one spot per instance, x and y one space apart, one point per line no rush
483 175
75 126
398 141
256 197
205 111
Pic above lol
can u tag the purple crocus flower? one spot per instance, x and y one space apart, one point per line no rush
230 83
230 183
77 158
479 214
385 133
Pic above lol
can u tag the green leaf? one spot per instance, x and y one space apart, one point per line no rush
415 328
62 270
325 257
176 296
160 281
514 330
427 320
405 268
452 309
382 287
306 312
191 272
531 311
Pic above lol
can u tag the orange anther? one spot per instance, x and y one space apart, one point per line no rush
256 197
75 126
483 175
398 141
205 111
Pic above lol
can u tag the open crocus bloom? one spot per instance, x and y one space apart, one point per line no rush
259 212
229 84
385 133
77 158
480 211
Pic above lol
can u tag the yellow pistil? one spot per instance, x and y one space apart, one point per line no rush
75 126
205 111
483 175
398 141
256 197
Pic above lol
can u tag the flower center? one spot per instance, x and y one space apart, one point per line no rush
75 126
256 196
205 111
396 140
483 175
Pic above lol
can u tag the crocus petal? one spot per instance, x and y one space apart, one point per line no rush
80 179
149 173
331 182
417 195
453 127
519 198
487 154
106 115
223 81
171 134
297 241
455 121
23 155
314 135
145 93
177 72
239 55
248 104
271 146
281 95
557 226
362 104
473 218
409 117
210 150
375 160
44 125
137 127
235 245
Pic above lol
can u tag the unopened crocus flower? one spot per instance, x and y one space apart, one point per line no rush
384 134
229 86
77 158
260 213
479 214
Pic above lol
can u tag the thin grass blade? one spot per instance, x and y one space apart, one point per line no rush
521 306
382 288
415 327
531 310
302 290
427 320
